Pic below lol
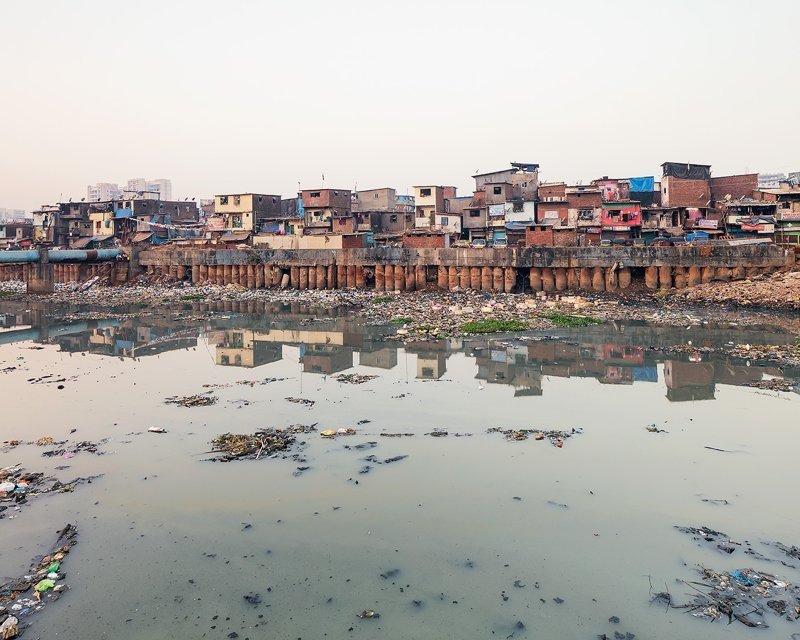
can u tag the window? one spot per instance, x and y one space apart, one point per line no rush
236 200
274 201
393 218
260 198
474 214
443 221
376 196
223 199
314 194
517 207
425 193
498 191
336 193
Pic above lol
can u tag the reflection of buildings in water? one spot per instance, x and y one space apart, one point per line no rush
328 359
698 380
689 380
127 340
431 366
607 363
431 358
242 348
509 366
380 358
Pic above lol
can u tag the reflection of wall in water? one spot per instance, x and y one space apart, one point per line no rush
431 366
501 366
246 349
380 358
320 358
689 380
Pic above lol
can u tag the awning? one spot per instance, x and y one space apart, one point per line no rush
235 236
141 236
82 243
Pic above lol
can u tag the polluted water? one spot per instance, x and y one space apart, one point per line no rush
297 473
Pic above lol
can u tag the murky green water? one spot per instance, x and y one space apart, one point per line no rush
164 552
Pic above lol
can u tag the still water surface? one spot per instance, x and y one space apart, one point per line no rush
165 553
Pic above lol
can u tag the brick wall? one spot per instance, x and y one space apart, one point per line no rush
424 241
552 191
741 186
676 192
537 237
544 211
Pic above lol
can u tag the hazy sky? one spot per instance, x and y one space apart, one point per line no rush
243 95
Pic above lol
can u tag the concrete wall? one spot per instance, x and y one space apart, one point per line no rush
685 256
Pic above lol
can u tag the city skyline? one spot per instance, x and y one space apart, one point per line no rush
582 89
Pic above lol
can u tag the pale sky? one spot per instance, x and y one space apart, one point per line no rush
241 95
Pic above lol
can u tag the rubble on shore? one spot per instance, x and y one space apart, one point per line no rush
776 291
433 314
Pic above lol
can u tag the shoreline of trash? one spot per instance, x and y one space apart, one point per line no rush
420 315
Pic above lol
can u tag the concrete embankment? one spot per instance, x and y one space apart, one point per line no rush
496 270
394 269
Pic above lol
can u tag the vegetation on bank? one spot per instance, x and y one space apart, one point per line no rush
569 321
401 320
493 325
382 299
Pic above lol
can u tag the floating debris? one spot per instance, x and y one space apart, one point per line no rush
303 401
18 486
744 595
557 438
353 378
200 400
368 614
265 442
28 595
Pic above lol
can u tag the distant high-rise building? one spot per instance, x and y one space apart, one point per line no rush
770 180
102 191
12 214
156 189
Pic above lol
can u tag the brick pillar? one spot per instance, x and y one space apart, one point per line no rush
664 277
303 280
548 279
612 282
452 278
486 279
651 277
399 278
380 276
421 277
598 279
361 278
442 280
624 277
411 280
560 274
497 279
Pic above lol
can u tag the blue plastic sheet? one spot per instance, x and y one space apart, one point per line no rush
646 183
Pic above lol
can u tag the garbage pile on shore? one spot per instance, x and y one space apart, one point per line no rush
776 291
27 595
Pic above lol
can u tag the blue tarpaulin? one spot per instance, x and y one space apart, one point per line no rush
646 183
